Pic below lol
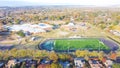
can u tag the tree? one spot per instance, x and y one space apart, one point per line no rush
67 22
33 66
65 57
113 56
116 22
94 54
111 27
44 53
22 53
36 18
118 53
62 57
23 65
17 21
53 56
1 55
79 53
103 26
6 55
101 55
116 65
56 65
13 52
21 33
1 26
37 53
16 66
86 58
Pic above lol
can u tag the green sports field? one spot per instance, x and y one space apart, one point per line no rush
73 44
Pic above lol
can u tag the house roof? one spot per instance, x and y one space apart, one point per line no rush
43 25
94 62
104 59
109 62
71 24
79 59
33 28
43 65
118 60
45 61
94 58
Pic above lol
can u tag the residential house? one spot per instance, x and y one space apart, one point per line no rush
94 63
79 62
108 63
11 63
45 61
4 33
71 26
117 60
29 63
65 64
2 63
45 27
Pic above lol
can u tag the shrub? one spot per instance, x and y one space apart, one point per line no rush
21 33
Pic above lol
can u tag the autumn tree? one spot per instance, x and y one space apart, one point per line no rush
113 55
1 26
1 55
33 66
23 65
116 65
79 53
101 55
86 57
53 56
16 66
21 33
62 56
94 54
56 65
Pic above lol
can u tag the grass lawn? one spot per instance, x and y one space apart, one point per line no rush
86 43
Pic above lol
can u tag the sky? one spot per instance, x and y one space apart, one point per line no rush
59 2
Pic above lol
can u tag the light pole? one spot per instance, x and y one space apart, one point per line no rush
99 45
